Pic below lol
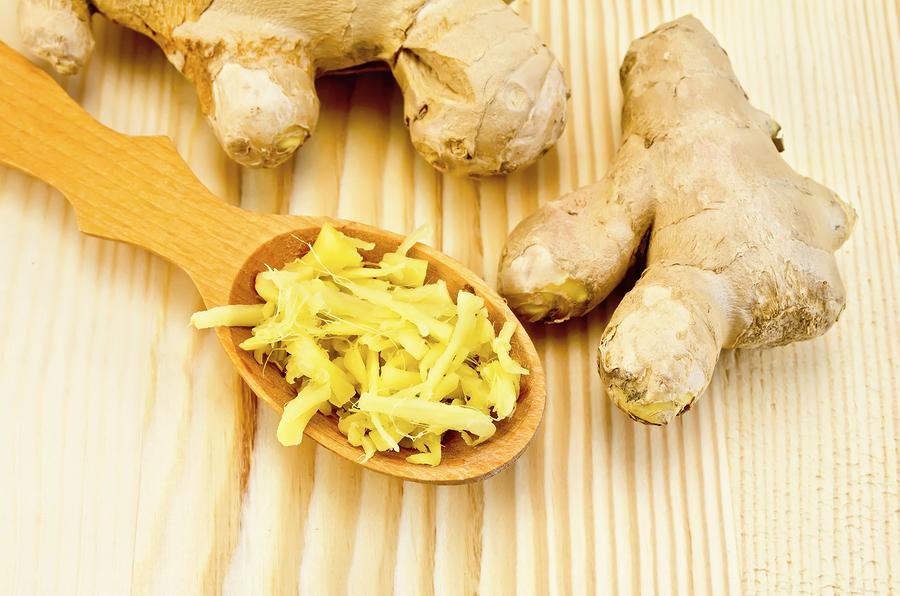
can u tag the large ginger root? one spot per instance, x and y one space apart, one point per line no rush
483 94
740 246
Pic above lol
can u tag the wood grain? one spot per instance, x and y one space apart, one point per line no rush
164 476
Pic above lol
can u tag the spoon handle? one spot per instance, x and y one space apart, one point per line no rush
131 189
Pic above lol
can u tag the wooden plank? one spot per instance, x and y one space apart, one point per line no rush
135 461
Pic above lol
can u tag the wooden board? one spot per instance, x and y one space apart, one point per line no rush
133 460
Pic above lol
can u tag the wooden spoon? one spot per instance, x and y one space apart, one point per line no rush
138 190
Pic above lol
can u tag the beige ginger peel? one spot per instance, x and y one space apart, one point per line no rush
483 94
740 247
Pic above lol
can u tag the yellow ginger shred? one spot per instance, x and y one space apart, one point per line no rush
397 361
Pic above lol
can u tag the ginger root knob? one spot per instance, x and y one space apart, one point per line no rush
740 248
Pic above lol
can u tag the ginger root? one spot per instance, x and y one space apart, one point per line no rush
482 93
740 245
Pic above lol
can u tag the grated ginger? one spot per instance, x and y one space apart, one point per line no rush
395 359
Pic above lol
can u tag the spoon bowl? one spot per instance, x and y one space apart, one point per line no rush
138 190
459 462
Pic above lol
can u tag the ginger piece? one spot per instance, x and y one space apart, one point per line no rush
483 94
396 359
740 245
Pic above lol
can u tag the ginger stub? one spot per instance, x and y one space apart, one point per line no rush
740 248
483 94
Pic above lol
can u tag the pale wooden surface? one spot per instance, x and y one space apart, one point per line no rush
133 460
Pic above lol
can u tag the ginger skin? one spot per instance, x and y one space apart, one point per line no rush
740 250
482 93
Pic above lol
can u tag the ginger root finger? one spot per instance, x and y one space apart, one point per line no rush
59 31
662 342
259 96
499 100
483 94
740 245
566 257
262 114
